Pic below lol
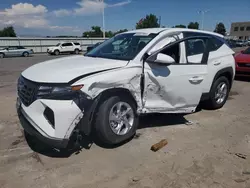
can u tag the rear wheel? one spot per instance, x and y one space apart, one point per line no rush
76 51
56 52
116 120
2 55
218 94
25 54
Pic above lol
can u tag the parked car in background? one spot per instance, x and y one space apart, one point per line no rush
156 70
231 43
90 47
248 42
241 43
65 47
242 60
12 51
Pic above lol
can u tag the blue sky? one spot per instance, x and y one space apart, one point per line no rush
72 17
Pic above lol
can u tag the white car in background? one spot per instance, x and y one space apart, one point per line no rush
155 70
65 47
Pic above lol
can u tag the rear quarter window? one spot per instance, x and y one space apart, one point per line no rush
215 43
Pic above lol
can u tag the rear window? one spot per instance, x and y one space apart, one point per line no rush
76 43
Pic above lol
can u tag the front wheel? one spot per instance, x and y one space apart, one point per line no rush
25 54
116 120
56 52
218 94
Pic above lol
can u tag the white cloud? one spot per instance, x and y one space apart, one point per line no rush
62 12
119 4
25 8
29 16
89 7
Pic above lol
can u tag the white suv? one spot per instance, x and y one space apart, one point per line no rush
65 47
134 73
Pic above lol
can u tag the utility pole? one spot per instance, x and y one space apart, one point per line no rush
159 21
103 17
202 12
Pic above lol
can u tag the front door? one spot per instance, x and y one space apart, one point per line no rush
177 87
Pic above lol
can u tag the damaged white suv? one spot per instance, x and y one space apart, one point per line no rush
136 72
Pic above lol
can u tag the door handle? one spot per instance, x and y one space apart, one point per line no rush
196 79
216 63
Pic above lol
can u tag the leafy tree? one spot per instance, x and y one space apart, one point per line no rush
8 32
193 25
95 32
220 28
179 26
120 31
150 21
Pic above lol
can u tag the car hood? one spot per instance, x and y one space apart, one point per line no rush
242 58
63 70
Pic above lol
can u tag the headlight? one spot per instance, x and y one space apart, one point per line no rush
47 90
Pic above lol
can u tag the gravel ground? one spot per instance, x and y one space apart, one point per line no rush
213 151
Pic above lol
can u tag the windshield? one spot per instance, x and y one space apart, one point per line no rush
122 47
247 51
58 44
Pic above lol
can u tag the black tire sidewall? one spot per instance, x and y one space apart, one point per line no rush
215 105
56 52
76 51
102 126
25 54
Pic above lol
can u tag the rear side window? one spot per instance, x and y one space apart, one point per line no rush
76 43
20 47
67 44
214 44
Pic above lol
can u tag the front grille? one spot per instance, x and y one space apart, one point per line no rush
244 65
26 91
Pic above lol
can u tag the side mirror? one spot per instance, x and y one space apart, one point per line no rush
161 59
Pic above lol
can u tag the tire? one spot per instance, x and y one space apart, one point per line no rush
2 55
213 102
76 51
56 52
25 54
105 133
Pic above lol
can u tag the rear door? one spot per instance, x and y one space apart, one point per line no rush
67 47
12 51
177 87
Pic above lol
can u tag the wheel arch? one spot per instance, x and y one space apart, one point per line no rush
227 72
86 124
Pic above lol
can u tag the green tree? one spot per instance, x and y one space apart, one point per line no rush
220 28
193 25
179 26
95 32
150 21
120 31
8 32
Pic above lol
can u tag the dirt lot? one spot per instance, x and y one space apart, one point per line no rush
214 151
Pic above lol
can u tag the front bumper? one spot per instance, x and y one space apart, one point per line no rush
66 117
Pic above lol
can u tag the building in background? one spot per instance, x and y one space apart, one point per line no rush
240 30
